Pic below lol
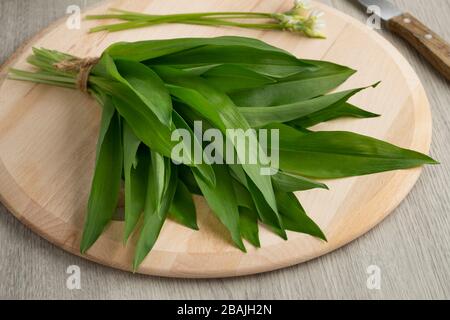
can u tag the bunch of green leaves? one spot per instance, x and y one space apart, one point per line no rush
148 89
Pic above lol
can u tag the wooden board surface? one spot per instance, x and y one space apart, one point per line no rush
47 145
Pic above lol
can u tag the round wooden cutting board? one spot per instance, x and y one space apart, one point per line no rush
48 137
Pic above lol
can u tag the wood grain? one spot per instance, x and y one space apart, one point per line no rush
411 246
426 41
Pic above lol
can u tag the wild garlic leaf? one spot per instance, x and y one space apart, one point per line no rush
156 209
243 197
294 216
159 178
138 116
249 226
286 130
148 86
222 201
248 217
230 54
153 49
295 88
279 72
136 162
203 168
260 116
187 177
337 154
106 182
267 215
228 77
108 113
288 182
182 209
198 102
333 112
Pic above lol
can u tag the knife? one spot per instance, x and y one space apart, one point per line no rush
429 44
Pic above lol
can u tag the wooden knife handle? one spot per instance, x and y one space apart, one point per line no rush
427 42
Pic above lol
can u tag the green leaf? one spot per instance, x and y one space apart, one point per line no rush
333 112
159 178
106 182
227 78
204 169
243 197
279 72
231 54
248 217
260 116
294 216
182 209
152 49
267 215
187 177
146 84
337 154
222 201
299 87
249 226
108 113
287 182
138 116
136 162
287 130
157 205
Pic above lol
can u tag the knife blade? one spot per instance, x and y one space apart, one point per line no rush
428 43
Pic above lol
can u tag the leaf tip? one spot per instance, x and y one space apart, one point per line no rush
136 264
425 159
240 245
324 186
83 249
84 245
257 242
376 84
322 236
372 115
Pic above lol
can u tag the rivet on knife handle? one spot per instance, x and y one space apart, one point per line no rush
427 42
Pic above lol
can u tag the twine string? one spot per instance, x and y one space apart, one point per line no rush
82 66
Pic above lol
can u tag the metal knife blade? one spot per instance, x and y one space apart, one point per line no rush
387 10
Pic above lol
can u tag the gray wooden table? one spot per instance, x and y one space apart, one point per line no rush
411 247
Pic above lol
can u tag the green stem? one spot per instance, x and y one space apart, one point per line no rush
44 78
122 14
122 26
45 61
204 21
270 26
